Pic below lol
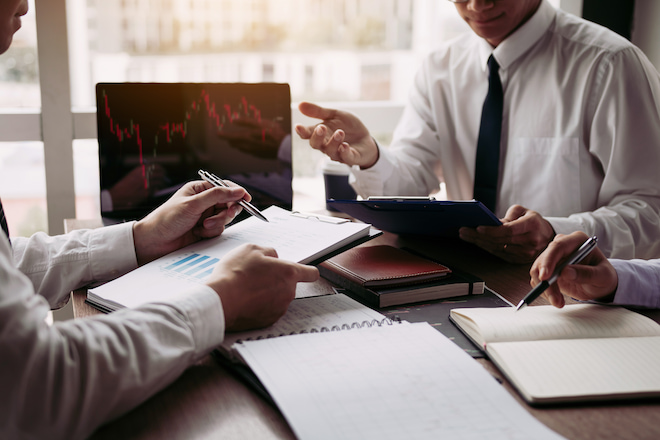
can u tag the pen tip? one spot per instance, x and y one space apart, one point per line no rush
521 304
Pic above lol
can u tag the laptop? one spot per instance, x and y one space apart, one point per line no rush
155 137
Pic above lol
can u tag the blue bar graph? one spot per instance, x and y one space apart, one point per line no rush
181 261
205 273
192 263
196 269
195 266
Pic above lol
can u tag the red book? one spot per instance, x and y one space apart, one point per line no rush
383 276
385 266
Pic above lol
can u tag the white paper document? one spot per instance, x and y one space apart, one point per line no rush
296 238
400 381
312 315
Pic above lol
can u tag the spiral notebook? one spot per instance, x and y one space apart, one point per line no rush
386 382
317 314
337 369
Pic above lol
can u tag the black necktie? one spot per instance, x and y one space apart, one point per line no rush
488 145
3 220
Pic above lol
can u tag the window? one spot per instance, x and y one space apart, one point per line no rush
348 52
343 51
257 40
375 82
22 177
19 74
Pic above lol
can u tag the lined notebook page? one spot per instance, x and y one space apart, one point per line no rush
581 368
319 313
393 382
575 321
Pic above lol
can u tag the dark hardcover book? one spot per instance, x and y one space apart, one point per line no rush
342 270
384 266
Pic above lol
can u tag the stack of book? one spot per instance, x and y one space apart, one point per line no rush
383 276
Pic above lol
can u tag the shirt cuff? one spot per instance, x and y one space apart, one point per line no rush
564 225
203 309
369 182
112 251
638 283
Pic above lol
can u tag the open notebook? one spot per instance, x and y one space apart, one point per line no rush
579 353
295 237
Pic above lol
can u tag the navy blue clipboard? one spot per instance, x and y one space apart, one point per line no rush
418 217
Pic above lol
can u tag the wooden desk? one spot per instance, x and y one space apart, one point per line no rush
208 402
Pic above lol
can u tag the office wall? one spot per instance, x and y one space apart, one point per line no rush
646 29
613 14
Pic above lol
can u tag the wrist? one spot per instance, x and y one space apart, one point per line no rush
226 298
609 298
143 249
376 155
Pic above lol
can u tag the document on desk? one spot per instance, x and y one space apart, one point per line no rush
295 237
317 314
582 352
402 381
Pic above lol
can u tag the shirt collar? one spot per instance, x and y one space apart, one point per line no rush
516 44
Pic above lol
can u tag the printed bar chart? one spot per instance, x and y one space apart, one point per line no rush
195 267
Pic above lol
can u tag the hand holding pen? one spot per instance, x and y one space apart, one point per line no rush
216 181
549 259
593 279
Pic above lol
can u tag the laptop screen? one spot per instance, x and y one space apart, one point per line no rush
154 137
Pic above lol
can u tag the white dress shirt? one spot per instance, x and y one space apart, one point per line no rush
580 134
64 380
639 282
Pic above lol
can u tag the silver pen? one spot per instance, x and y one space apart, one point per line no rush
215 180
574 258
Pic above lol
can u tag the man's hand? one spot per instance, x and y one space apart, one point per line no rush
197 210
340 135
256 287
523 235
593 279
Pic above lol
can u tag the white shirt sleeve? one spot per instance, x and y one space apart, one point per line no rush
56 265
410 166
65 380
639 282
624 138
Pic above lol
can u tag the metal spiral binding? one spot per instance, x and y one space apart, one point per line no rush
334 328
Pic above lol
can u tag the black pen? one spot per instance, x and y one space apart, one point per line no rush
575 258
215 180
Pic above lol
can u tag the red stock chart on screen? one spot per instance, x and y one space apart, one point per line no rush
153 138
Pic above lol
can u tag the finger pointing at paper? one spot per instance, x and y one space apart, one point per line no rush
256 287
